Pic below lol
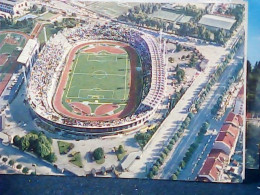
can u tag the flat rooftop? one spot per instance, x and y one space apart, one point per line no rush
217 21
27 51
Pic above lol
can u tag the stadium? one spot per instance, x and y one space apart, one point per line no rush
97 80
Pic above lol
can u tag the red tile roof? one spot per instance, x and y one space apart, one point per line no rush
230 129
219 154
226 138
232 119
213 164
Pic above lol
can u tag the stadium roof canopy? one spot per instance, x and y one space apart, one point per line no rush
27 51
217 21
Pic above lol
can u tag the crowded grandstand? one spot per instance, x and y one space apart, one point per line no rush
47 70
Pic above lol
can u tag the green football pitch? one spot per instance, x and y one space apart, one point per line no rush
98 78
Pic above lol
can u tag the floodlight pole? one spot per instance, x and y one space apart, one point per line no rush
160 39
164 52
24 74
45 34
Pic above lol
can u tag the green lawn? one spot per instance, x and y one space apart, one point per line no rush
10 49
47 16
99 78
165 15
111 9
64 147
7 48
76 159
2 36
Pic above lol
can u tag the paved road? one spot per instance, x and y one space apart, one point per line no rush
204 114
178 114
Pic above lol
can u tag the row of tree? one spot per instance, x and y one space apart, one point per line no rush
218 72
37 143
167 149
191 150
143 138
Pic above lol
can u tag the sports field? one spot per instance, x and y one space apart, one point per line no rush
98 77
9 42
111 9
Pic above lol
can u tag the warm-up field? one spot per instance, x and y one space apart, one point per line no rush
100 75
9 51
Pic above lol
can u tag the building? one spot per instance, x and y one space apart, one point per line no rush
29 53
213 167
235 120
227 139
13 7
239 105
215 22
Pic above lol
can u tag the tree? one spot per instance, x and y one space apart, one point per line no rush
166 150
34 7
17 141
51 157
170 146
98 153
25 143
192 61
163 155
155 170
182 164
19 166
172 141
190 115
121 149
174 177
11 162
178 47
4 159
25 170
150 174
43 9
43 147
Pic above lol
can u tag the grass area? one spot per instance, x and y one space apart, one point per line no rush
65 147
2 37
10 66
111 9
101 161
46 16
76 159
98 78
165 15
7 48
50 30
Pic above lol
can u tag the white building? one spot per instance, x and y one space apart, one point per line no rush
29 53
239 105
13 7
216 22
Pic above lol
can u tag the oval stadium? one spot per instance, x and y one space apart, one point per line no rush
97 80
